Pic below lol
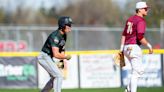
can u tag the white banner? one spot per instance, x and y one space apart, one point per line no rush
98 71
70 74
153 71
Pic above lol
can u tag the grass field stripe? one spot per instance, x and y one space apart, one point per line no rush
117 89
23 54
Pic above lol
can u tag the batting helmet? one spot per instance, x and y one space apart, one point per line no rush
63 21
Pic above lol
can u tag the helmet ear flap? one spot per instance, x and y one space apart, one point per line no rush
63 28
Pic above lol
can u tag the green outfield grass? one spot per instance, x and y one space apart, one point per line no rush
155 89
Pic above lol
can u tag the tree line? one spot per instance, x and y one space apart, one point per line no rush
85 12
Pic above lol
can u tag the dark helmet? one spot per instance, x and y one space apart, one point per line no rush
64 21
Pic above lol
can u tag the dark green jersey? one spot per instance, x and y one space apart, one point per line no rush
55 39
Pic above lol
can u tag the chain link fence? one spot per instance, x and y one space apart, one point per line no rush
81 38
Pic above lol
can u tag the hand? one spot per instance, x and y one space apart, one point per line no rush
60 64
68 57
150 51
150 48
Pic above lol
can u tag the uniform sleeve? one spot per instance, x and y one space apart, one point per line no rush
54 42
124 31
141 27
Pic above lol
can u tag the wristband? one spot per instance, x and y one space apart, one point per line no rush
122 47
149 46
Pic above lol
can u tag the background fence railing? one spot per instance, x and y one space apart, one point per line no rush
31 38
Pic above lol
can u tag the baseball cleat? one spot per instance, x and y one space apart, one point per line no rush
126 90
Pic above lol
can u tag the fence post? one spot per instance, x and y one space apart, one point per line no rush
162 32
162 64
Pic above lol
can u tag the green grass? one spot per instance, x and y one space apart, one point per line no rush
155 89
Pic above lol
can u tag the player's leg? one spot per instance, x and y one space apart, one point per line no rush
132 85
52 69
48 86
42 58
127 53
137 71
135 57
57 83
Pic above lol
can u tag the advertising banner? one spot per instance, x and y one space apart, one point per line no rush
98 71
18 72
152 71
70 74
13 46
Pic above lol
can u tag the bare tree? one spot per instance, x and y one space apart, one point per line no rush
95 12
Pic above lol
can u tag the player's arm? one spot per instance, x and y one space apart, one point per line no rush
141 30
59 55
147 44
122 43
123 39
63 52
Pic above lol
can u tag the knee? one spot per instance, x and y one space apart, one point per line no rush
140 71
137 73
58 75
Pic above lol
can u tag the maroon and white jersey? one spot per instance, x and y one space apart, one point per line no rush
134 30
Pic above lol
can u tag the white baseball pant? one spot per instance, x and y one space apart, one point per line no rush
56 76
134 54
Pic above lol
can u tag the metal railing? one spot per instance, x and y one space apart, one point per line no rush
81 38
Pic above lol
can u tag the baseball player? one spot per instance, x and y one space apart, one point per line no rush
52 50
132 38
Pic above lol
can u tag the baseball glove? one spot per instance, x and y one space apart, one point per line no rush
60 64
119 59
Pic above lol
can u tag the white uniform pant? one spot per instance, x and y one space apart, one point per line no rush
134 55
56 76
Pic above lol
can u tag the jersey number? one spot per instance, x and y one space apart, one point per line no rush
129 30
